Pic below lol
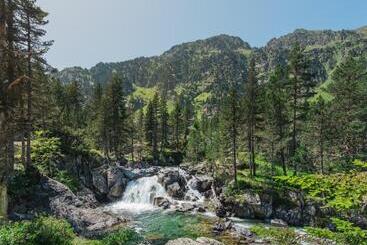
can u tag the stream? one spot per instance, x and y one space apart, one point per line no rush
161 225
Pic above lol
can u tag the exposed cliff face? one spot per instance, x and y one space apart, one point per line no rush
207 65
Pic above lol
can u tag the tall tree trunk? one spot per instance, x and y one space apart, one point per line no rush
29 94
234 151
294 122
3 201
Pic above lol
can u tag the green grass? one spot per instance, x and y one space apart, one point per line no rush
277 235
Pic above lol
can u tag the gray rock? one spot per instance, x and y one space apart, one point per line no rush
182 241
161 202
199 241
208 241
175 190
204 184
86 221
278 222
99 181
186 207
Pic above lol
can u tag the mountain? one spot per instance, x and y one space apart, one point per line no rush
206 66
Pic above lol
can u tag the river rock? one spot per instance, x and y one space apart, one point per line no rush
161 202
116 181
186 207
175 190
199 241
208 241
204 184
278 222
99 181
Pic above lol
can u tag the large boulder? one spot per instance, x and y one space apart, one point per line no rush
175 190
117 182
173 182
63 203
204 183
99 180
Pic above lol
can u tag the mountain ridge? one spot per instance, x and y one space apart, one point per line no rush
198 65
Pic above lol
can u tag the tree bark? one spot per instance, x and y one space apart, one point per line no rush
29 95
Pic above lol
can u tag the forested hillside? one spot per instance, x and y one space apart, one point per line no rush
276 132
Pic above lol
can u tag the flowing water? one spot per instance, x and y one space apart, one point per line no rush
139 195
158 225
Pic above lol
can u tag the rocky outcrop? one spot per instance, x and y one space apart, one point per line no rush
173 182
198 241
80 211
290 206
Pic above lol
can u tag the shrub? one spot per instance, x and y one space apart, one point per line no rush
339 191
46 151
122 237
41 231
67 179
278 235
346 233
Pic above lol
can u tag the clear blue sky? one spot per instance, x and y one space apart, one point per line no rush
89 31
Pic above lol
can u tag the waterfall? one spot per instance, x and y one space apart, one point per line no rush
192 192
139 195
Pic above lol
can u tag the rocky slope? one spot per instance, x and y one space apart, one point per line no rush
207 65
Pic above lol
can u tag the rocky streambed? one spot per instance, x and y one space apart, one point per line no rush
163 204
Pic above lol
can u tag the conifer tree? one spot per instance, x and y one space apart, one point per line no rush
277 114
151 126
251 111
177 118
300 88
163 120
113 118
349 114
230 122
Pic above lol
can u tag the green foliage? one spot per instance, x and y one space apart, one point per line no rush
346 233
339 191
122 237
360 164
42 231
67 179
45 152
281 236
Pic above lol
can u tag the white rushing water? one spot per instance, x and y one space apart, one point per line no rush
139 195
191 187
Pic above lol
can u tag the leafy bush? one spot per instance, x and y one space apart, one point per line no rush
122 237
67 179
278 235
346 233
46 151
339 191
42 231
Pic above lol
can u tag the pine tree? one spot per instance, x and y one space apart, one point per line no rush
177 118
277 115
318 130
194 150
349 91
151 126
32 21
230 122
300 88
163 120
251 109
112 126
